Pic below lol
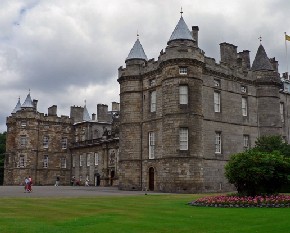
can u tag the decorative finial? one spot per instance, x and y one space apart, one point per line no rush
260 38
137 35
29 90
181 12
85 102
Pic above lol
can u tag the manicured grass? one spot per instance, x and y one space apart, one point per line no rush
138 214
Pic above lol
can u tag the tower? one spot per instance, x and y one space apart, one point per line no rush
130 79
268 99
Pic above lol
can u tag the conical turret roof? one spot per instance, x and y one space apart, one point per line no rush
28 102
261 61
17 107
181 32
137 52
86 115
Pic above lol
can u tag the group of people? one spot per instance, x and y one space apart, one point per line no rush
28 184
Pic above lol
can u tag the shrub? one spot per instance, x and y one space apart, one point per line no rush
254 172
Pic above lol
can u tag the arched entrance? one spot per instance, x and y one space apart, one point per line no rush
151 179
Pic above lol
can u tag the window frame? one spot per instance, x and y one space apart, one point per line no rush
218 142
62 162
151 144
183 70
45 141
217 101
88 159
64 143
22 161
282 112
244 106
96 159
183 138
45 161
183 97
153 101
246 141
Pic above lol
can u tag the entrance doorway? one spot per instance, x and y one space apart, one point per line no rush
112 177
151 179
97 179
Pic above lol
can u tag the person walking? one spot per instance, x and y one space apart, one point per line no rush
57 181
26 182
29 188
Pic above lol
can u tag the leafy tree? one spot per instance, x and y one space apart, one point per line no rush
2 155
254 172
272 143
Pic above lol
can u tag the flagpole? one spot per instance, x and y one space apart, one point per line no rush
286 49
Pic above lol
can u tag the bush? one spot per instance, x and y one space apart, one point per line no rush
254 172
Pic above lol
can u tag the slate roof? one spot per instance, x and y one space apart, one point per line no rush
17 107
261 61
181 31
28 102
137 52
86 115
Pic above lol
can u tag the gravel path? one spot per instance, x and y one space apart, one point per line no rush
66 191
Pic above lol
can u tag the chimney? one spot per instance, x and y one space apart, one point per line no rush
274 63
52 111
93 116
228 53
245 56
35 104
102 112
76 113
115 107
194 33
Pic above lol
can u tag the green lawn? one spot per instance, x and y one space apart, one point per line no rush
151 213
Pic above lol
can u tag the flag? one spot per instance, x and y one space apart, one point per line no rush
287 37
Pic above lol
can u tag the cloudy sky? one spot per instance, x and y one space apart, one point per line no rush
68 51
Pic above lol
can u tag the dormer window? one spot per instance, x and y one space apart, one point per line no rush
183 70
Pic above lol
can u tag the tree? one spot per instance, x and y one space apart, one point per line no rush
272 143
254 172
2 155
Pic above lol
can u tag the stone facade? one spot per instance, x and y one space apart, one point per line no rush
45 146
183 115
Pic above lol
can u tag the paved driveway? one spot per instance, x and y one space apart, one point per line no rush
66 191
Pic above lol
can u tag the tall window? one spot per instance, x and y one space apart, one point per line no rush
153 101
63 143
246 142
151 145
244 106
62 162
183 138
45 161
21 161
81 160
96 159
23 140
217 101
183 70
218 142
282 112
74 161
45 141
88 160
183 94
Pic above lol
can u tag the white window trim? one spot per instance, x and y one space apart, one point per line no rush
81 160
218 142
183 138
45 141
96 159
23 140
183 94
246 140
183 70
282 112
22 161
153 101
45 161
62 162
217 101
151 142
64 143
88 160
244 106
